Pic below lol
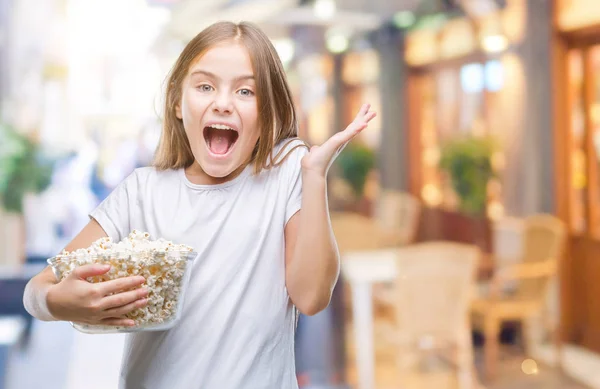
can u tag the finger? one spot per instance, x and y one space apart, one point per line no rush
117 321
336 143
351 131
363 110
361 123
119 284
348 134
125 309
123 298
85 271
354 128
370 116
358 125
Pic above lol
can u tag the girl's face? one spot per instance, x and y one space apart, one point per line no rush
219 112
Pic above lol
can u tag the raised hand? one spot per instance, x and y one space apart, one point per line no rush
320 158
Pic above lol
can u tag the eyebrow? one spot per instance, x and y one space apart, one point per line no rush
212 75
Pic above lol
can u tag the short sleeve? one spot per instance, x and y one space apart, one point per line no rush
293 168
113 214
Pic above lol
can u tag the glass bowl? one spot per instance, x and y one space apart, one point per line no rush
167 274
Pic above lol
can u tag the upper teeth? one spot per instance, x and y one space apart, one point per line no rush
221 127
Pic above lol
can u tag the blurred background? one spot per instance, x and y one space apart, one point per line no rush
468 215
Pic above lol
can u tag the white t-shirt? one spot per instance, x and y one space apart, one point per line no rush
237 325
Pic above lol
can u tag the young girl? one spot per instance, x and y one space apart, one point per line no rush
231 180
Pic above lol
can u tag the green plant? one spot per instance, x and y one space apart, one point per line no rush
468 163
355 162
24 168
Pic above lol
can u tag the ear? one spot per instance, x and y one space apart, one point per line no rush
178 111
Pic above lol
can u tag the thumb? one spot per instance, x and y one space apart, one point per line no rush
85 271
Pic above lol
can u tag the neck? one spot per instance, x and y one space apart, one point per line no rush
197 176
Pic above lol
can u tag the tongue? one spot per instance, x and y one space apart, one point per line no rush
219 144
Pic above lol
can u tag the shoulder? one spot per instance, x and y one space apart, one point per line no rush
290 145
289 152
149 175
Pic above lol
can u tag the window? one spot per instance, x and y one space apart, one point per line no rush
584 135
454 101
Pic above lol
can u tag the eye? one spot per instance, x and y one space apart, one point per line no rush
205 88
246 92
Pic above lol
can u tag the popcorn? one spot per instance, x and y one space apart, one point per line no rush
162 263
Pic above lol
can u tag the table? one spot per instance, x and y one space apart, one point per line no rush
362 270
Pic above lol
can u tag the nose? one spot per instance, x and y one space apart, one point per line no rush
223 103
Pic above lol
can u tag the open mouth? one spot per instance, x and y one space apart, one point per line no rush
220 138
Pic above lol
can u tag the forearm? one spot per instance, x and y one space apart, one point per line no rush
314 267
34 297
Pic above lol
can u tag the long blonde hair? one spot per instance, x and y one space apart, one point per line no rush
277 118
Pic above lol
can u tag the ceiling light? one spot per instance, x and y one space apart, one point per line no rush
494 43
285 49
337 43
324 9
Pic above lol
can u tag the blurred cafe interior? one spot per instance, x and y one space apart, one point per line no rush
467 216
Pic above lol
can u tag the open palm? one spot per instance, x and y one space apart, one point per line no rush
320 158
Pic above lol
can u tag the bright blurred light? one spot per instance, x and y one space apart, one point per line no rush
112 27
431 195
285 49
324 9
431 156
494 75
337 44
403 19
495 210
112 68
472 78
529 366
494 43
337 40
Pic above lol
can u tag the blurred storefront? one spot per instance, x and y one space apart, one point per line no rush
85 77
312 82
577 149
487 76
479 75
88 95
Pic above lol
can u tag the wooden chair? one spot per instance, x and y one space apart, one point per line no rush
397 215
543 243
395 224
355 232
431 298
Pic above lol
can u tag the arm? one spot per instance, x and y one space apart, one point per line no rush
75 299
34 297
312 257
36 289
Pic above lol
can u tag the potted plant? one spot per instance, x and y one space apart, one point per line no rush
354 165
468 163
24 168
